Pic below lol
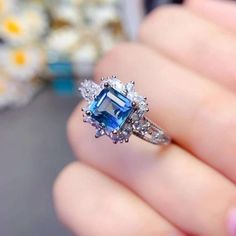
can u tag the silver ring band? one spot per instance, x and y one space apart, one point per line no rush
154 134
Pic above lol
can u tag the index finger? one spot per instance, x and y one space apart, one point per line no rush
192 41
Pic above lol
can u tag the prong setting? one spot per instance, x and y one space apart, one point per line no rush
106 85
134 104
133 122
115 131
88 113
99 133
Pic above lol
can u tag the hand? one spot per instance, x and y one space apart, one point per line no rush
184 62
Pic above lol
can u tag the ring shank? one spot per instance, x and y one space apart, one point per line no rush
152 133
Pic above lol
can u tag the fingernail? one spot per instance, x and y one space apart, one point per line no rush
232 222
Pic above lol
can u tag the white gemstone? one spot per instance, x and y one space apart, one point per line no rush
99 133
135 97
156 136
143 106
139 98
132 96
135 116
130 87
89 90
118 85
87 119
142 126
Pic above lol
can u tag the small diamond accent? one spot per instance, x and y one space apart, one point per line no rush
130 87
116 84
89 90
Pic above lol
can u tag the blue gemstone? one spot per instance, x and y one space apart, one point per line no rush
111 108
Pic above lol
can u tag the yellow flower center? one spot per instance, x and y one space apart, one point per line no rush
12 26
19 58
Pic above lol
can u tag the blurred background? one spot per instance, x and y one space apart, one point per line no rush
46 48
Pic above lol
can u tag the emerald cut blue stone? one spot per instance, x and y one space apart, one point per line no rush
111 108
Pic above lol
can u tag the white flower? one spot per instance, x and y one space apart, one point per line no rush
107 40
100 15
22 64
20 27
7 91
63 40
36 20
106 14
24 92
68 13
14 94
84 59
87 53
15 28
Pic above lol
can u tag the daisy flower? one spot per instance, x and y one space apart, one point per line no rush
7 91
63 40
66 13
15 94
15 29
24 92
36 20
22 64
100 16
107 41
84 59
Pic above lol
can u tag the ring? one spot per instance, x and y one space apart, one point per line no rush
117 111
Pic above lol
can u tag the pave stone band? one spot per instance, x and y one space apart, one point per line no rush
153 134
116 110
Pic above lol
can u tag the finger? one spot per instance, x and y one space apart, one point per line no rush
192 41
178 186
197 113
90 203
221 12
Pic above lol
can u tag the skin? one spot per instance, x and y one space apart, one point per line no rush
184 62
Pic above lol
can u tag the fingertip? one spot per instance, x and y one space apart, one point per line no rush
60 187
